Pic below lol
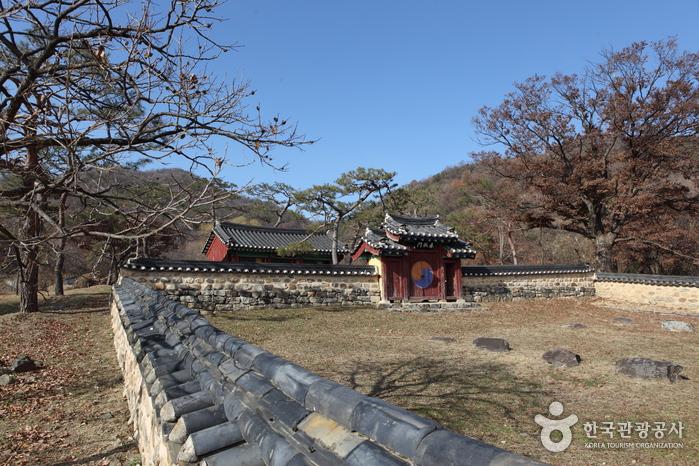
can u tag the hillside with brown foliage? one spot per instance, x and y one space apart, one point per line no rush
492 212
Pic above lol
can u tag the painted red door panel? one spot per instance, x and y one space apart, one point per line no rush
393 280
452 278
425 276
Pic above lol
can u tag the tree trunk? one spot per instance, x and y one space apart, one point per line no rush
29 286
335 234
60 257
58 274
116 259
501 244
513 249
603 252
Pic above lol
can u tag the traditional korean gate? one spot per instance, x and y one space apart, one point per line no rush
425 274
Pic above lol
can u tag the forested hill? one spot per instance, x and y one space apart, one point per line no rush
92 260
486 209
482 209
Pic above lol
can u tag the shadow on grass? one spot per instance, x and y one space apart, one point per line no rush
233 316
68 304
97 456
448 391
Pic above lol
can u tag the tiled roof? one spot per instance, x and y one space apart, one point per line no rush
647 279
245 267
251 238
495 270
426 229
461 249
244 405
419 227
377 239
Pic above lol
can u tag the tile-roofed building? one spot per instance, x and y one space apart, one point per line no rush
233 242
418 258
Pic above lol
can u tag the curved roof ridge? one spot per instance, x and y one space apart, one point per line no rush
239 236
242 226
406 219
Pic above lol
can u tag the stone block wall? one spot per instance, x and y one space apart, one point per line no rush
214 287
672 292
200 396
511 283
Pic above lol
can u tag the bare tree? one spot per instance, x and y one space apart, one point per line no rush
603 151
333 203
89 89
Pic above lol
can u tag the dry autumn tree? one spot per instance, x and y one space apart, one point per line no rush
606 150
90 89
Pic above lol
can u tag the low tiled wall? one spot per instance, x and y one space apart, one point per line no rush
672 292
200 396
212 286
218 286
508 283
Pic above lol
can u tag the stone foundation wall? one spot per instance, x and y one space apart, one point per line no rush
676 293
513 283
219 291
199 396
210 286
147 426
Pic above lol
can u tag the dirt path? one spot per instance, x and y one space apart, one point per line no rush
71 412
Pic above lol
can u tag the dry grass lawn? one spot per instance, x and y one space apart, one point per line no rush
495 396
71 412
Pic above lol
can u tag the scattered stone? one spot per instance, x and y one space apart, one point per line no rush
23 364
5 370
499 345
444 339
574 326
7 379
561 357
117 443
106 416
623 320
677 326
644 368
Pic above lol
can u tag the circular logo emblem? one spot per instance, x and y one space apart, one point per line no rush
422 274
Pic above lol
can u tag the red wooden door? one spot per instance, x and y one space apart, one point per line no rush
393 279
452 279
425 276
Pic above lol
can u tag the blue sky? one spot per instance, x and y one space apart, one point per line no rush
396 84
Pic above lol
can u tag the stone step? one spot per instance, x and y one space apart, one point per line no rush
432 306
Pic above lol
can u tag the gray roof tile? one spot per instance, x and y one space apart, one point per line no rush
272 402
422 227
413 229
167 265
647 279
496 270
247 237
